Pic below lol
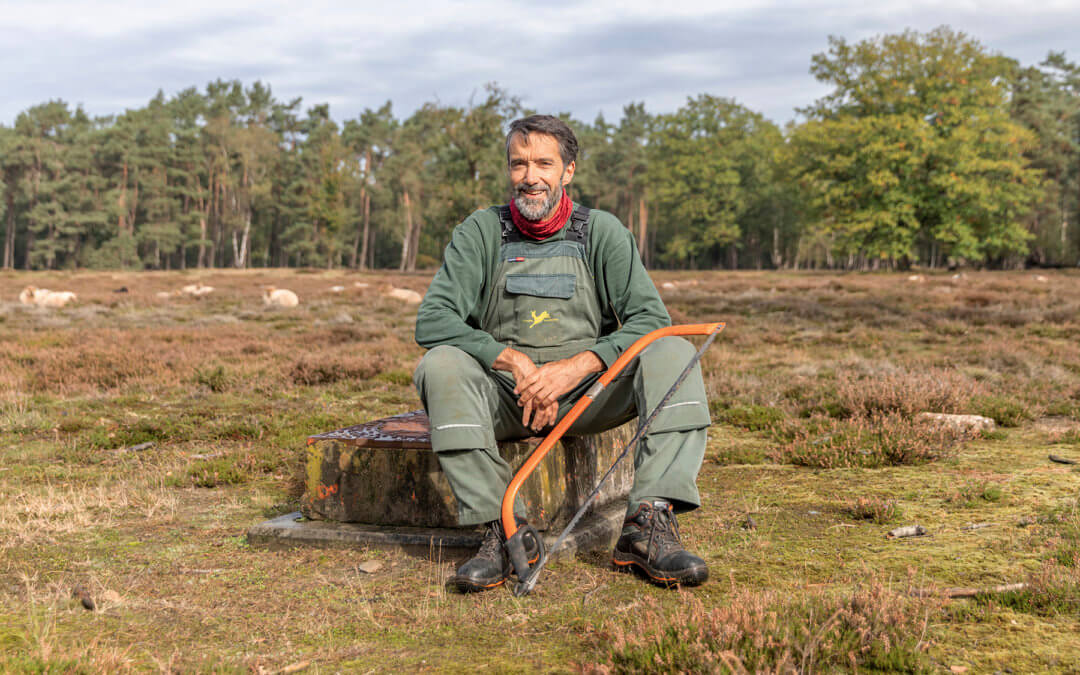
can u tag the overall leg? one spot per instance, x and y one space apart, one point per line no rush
669 457
462 402
466 406
666 464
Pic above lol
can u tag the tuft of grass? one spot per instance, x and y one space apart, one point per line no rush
751 417
399 377
1007 412
874 509
873 627
215 379
211 473
973 493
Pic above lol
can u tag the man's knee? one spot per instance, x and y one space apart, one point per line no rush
669 351
688 408
445 365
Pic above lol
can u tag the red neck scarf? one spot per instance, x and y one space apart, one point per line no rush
542 229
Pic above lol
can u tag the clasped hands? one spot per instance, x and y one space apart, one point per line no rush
538 388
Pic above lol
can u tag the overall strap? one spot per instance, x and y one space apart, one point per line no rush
576 230
578 227
506 221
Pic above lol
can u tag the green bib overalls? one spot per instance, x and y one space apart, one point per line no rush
543 303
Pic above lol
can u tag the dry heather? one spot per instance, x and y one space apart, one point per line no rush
873 627
141 436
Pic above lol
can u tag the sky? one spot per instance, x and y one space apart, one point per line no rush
585 58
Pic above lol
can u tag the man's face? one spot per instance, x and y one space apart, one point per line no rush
537 174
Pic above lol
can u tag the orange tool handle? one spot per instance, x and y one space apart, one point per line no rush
509 523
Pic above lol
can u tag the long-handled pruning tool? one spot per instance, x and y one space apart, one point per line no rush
515 535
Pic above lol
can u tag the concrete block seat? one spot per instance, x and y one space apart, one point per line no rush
379 484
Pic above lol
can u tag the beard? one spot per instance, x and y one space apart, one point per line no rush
530 208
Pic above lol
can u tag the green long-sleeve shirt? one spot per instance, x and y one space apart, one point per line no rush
453 308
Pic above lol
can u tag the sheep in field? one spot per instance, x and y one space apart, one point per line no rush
43 297
196 290
30 295
280 297
56 299
404 294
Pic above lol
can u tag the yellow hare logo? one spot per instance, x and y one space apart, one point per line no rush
541 318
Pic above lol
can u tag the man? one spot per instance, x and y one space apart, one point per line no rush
532 302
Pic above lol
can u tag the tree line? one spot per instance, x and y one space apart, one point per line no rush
929 150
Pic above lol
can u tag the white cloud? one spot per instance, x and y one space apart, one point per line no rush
585 57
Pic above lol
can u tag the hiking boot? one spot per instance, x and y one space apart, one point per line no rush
650 542
491 566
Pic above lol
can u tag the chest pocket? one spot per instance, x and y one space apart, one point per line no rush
560 286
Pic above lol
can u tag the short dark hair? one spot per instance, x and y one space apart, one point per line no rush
546 124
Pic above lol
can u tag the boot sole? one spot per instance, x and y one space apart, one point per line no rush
691 576
465 585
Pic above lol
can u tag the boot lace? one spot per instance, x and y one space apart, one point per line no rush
491 547
663 534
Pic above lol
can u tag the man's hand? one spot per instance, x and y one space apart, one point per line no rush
540 389
514 362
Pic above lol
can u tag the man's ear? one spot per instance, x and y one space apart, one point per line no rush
568 173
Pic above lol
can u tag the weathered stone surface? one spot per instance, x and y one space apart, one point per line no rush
961 422
385 473
595 532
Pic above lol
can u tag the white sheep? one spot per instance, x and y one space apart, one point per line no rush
43 297
196 290
56 299
280 297
404 294
30 295
337 289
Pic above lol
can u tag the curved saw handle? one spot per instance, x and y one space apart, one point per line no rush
510 526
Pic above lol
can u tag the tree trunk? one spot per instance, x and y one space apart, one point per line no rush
777 254
365 238
407 242
733 256
643 231
122 202
355 257
9 237
240 249
202 242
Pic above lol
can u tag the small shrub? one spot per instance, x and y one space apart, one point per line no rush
905 393
210 473
399 377
1005 411
740 454
330 369
878 440
1053 590
972 493
752 417
871 627
215 379
874 509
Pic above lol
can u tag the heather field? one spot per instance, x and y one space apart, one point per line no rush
140 436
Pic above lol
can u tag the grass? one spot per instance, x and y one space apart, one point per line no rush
814 389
